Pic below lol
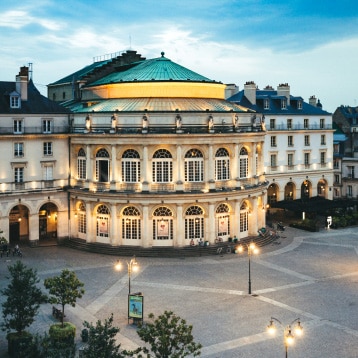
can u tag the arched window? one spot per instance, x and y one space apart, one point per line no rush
194 166
222 164
131 229
102 221
162 224
244 163
223 220
194 223
244 218
81 165
130 166
162 166
81 214
102 166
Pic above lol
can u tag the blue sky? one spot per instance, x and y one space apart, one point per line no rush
311 45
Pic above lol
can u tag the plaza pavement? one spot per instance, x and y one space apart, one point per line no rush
311 276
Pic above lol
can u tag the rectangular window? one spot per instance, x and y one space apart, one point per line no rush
273 160
17 125
307 160
273 141
266 104
305 123
284 103
47 148
321 123
307 140
299 104
15 102
290 159
46 126
82 223
323 139
336 164
290 141
289 124
81 168
48 172
272 123
351 172
350 190
336 148
19 175
336 178
18 149
323 158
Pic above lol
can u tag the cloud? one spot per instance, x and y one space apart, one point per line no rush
17 19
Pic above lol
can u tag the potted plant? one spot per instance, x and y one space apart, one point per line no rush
64 289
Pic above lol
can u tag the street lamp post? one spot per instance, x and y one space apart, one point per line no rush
251 249
288 336
132 267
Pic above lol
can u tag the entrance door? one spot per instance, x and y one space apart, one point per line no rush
14 233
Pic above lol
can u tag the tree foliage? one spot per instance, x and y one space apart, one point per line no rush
23 298
64 289
101 340
168 336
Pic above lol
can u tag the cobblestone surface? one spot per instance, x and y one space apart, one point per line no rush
311 276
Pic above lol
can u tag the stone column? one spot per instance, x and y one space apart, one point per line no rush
115 239
210 221
90 223
113 176
179 239
146 225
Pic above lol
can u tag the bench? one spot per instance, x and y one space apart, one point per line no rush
57 313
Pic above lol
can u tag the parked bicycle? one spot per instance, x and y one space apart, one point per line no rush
17 251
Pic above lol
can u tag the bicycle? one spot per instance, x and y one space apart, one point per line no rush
218 239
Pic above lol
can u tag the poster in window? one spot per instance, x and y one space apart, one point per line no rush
223 224
163 228
103 226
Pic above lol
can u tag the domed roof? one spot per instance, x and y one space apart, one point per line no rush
156 69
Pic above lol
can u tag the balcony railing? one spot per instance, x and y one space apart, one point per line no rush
296 127
34 130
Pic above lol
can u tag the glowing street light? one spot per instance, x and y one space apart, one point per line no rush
132 267
288 336
251 249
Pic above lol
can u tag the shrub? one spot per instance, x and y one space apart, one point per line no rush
65 333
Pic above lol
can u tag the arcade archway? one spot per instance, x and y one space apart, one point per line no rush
48 222
18 224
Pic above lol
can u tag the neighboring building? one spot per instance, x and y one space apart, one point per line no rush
346 119
339 140
298 150
158 156
34 165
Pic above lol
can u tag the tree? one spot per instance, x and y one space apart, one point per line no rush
64 289
101 340
23 298
168 336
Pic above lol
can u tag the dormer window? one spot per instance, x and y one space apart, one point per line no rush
15 100
299 104
266 104
284 103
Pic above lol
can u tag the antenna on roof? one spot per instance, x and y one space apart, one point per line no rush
30 70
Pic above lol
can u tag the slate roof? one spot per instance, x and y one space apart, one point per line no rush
78 75
156 69
36 103
275 104
157 105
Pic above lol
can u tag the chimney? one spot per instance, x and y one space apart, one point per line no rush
22 80
250 91
230 90
283 89
313 101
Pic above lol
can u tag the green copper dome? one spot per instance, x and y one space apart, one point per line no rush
156 69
